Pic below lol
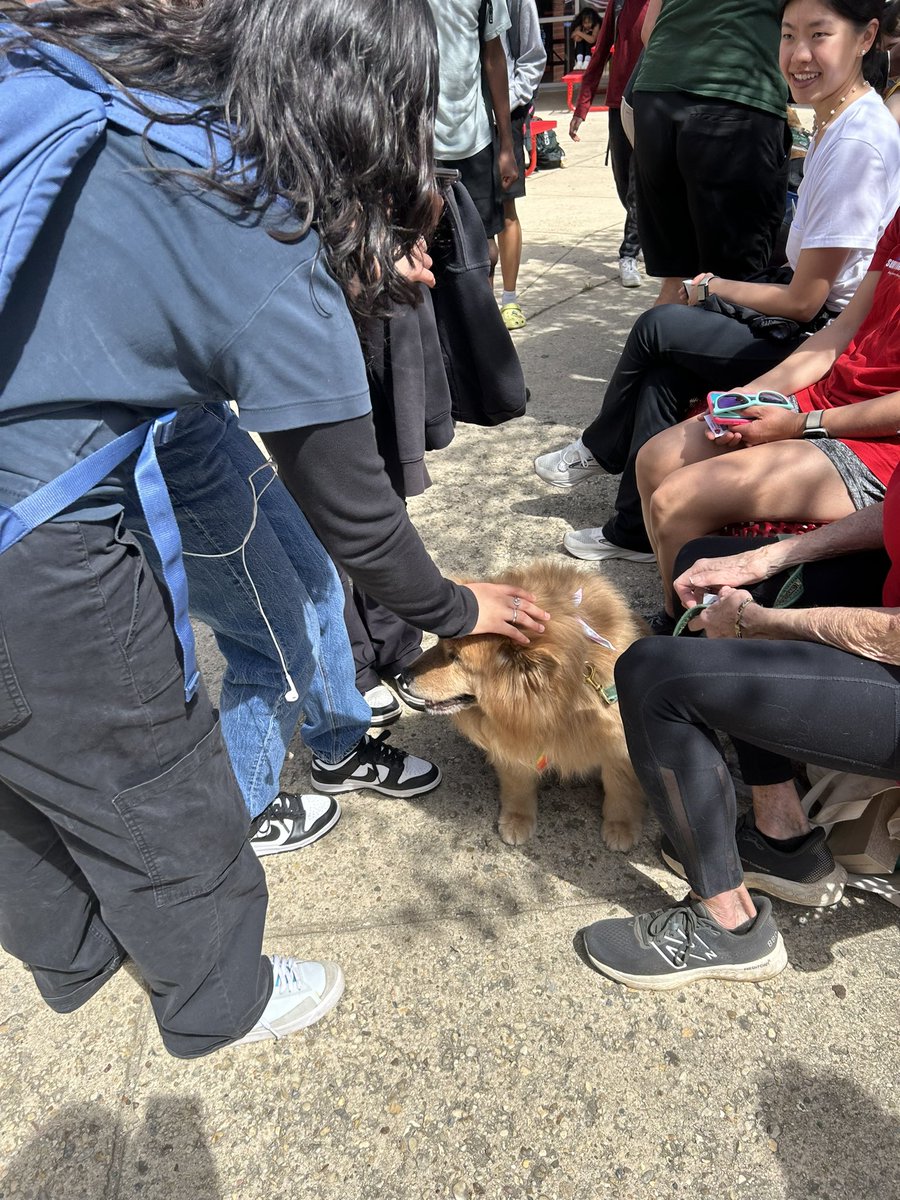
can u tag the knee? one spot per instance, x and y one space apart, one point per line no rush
650 468
646 666
666 503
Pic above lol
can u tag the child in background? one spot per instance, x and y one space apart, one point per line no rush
585 29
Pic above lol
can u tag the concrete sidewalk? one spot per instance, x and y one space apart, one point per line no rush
475 1055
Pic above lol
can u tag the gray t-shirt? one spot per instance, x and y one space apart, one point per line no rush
140 296
463 127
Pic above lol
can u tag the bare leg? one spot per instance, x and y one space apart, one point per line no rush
518 803
778 811
510 239
778 481
731 909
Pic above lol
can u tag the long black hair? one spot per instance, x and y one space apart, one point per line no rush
330 105
859 13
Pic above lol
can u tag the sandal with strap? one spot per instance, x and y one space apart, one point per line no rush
513 317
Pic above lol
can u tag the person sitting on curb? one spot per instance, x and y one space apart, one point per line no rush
621 26
814 684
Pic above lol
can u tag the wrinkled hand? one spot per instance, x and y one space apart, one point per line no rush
718 620
574 125
509 171
416 266
713 574
498 614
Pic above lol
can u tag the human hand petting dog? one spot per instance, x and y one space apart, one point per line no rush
507 610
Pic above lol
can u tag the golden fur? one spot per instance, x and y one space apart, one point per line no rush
519 703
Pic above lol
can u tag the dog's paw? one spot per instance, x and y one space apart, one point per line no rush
516 828
620 835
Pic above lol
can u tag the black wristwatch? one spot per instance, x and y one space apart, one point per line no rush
813 427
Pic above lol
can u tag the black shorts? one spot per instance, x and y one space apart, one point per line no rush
517 120
479 176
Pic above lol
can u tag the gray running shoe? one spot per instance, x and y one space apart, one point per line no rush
666 949
807 875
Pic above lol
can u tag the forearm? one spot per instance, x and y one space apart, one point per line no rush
872 633
875 418
338 479
773 299
495 73
653 11
862 530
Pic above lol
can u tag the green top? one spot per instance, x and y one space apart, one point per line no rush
725 48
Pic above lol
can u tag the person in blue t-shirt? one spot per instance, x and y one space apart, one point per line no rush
175 288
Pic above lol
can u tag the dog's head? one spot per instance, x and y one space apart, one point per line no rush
504 680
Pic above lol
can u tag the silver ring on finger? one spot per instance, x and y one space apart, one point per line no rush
517 600
515 616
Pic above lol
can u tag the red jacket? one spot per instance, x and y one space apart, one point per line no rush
625 32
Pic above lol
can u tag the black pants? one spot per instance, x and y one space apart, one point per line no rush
778 701
382 642
122 829
673 356
621 156
710 178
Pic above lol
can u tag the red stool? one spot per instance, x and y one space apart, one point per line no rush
571 80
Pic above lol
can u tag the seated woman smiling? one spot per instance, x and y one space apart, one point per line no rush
836 455
676 352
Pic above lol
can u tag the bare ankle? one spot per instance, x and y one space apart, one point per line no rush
731 909
778 812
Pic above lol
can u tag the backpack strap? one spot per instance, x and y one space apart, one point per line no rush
51 499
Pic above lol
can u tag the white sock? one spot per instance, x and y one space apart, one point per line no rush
507 298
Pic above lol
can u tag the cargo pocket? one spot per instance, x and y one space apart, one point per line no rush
14 708
189 824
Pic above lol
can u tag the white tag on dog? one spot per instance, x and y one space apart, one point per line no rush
591 633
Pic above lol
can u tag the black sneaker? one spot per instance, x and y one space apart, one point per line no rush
291 822
807 875
673 946
404 685
377 767
661 624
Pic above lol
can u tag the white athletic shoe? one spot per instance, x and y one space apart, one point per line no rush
302 993
567 467
629 275
591 544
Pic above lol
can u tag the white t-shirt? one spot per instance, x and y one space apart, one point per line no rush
850 191
462 127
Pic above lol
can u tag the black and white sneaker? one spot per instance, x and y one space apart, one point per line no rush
376 767
668 948
291 822
806 875
404 685
384 705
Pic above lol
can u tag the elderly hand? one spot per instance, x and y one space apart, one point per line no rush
712 574
718 620
506 609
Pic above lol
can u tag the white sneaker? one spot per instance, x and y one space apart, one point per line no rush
291 822
567 467
302 993
384 705
629 275
591 544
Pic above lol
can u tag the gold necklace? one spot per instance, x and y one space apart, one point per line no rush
817 128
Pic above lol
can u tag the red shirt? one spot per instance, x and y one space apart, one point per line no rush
890 595
625 31
870 366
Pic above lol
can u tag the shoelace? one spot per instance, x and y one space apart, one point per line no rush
583 457
654 926
286 981
375 750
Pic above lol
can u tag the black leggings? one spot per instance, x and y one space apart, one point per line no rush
778 701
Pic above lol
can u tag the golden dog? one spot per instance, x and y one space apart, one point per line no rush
545 705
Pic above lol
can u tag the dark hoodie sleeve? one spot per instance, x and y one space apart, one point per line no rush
338 479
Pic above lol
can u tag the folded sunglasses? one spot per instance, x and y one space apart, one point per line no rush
728 407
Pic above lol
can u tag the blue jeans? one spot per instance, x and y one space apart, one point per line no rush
206 467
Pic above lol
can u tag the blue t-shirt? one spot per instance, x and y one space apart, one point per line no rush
142 295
